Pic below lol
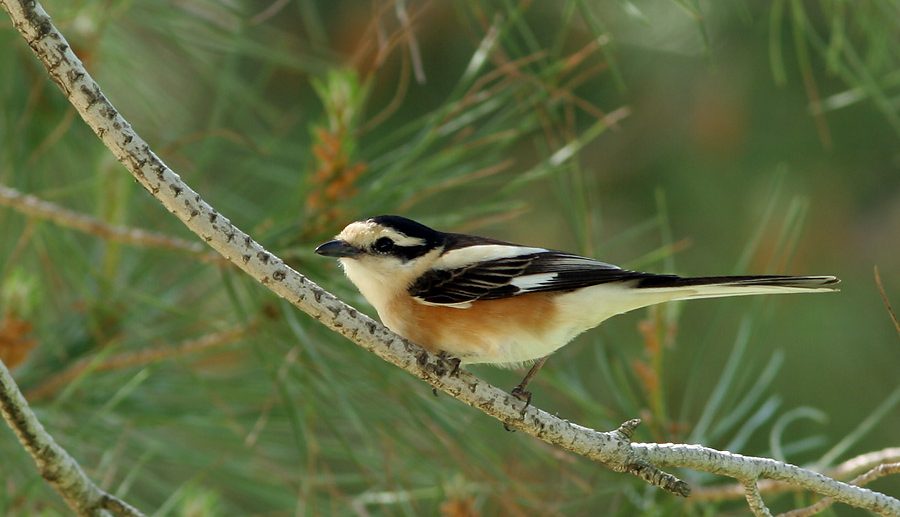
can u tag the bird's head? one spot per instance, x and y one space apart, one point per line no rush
384 253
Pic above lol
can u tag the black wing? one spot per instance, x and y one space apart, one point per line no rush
510 276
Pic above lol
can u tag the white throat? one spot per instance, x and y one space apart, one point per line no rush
382 280
376 287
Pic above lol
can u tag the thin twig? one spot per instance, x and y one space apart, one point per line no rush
272 10
754 499
414 54
615 449
53 462
887 302
33 206
865 462
456 181
136 358
395 102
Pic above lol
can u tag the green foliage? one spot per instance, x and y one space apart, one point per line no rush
648 134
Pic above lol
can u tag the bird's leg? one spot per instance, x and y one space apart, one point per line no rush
519 391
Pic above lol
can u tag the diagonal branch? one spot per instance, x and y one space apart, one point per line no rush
614 448
754 498
53 462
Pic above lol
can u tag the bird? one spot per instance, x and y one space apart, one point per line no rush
483 300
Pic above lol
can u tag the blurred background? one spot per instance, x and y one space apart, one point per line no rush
697 138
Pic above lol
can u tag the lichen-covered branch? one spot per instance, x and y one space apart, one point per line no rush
614 448
845 470
880 471
743 467
53 462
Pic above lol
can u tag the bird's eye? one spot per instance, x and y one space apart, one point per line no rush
383 245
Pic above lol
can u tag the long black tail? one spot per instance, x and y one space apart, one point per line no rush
824 283
671 287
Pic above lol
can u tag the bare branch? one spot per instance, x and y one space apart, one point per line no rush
137 358
53 462
865 462
754 499
873 474
36 207
743 467
614 449
851 467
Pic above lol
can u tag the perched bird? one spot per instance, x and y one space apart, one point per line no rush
487 301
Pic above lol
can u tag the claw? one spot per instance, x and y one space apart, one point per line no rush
522 394
454 361
525 396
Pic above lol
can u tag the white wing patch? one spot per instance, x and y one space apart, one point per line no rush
531 282
496 271
574 261
470 255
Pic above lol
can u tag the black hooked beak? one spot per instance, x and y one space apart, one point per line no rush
338 248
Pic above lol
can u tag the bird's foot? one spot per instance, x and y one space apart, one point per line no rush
522 394
525 396
453 361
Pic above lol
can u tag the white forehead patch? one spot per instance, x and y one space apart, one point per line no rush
363 233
